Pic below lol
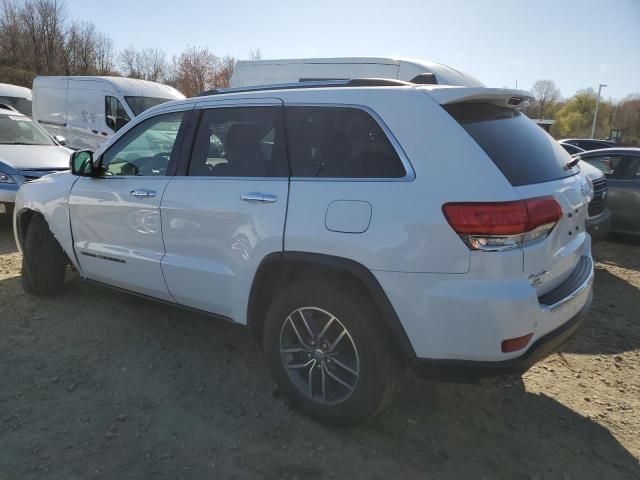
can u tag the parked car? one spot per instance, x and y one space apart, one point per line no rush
621 166
17 97
588 143
265 72
27 152
352 228
88 110
572 149
598 215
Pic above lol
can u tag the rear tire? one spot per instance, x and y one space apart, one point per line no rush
44 263
359 369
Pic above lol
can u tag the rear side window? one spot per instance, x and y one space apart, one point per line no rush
239 142
523 152
339 142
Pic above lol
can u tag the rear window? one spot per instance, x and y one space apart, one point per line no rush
523 151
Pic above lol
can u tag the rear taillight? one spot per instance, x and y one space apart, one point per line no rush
503 225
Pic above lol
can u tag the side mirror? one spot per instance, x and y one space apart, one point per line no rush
60 139
82 163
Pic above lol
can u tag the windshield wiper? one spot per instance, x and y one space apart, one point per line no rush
17 143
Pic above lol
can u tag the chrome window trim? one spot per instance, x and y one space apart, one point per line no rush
408 168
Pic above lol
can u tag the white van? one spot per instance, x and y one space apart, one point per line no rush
88 110
267 72
16 97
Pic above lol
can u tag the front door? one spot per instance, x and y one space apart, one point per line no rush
116 218
227 212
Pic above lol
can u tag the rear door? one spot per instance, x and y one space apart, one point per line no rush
116 218
536 166
225 210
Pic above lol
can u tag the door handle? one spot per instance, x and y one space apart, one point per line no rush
259 197
143 193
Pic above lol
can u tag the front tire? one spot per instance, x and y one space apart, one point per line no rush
328 351
44 263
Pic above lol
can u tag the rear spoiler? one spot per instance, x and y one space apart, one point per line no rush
502 97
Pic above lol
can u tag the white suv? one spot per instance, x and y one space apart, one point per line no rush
354 227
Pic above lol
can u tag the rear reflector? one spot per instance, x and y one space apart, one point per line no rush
513 344
503 225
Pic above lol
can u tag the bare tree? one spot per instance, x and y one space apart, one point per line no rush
195 70
546 97
154 64
80 49
105 56
255 54
43 22
223 72
146 64
129 62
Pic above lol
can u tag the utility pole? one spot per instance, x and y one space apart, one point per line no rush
595 114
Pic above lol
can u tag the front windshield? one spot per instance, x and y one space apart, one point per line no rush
140 104
20 130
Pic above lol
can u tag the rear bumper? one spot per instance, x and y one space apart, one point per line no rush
461 320
598 227
466 370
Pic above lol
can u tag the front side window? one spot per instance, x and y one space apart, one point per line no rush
21 130
115 114
606 163
339 142
239 142
146 149
140 104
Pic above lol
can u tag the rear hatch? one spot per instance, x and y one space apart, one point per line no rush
536 166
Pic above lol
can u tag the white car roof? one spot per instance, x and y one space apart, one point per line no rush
446 74
8 90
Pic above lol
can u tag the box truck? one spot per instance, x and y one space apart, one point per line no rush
88 110
266 72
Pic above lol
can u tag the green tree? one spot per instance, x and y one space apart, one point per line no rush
575 117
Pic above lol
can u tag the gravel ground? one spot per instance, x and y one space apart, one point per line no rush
98 384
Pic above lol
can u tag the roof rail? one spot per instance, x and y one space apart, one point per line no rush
6 106
355 82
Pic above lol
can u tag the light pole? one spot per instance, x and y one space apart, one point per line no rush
595 114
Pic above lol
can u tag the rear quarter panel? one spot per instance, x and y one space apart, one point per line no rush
408 231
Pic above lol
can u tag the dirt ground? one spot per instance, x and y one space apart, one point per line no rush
98 384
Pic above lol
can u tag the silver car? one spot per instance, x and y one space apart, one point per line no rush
27 152
621 166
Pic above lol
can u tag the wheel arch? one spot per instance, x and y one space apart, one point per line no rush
23 219
280 269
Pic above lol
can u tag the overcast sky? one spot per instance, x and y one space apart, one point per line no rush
576 43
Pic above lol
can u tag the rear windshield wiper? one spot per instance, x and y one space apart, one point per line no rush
572 163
